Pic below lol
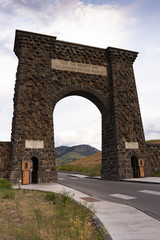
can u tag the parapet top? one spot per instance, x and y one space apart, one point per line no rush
24 36
27 37
20 33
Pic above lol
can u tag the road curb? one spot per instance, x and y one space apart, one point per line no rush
146 182
101 227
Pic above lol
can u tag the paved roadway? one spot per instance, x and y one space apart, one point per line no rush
145 197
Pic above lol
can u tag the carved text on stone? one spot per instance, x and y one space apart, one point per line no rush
34 144
59 64
131 145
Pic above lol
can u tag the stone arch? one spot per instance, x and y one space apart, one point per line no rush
133 158
49 70
33 153
133 153
37 156
84 91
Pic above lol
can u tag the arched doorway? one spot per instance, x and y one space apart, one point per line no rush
34 177
135 166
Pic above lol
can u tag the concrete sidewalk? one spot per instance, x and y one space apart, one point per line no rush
155 180
121 221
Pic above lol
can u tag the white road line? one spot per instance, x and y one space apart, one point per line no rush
60 178
77 175
122 196
150 192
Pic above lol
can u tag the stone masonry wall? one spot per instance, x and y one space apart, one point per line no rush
153 155
125 106
39 86
33 110
5 159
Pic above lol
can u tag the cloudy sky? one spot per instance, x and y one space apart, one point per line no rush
127 24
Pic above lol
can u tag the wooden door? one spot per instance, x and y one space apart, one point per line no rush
26 165
26 177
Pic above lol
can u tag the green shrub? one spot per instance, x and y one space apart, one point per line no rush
49 196
65 167
65 198
5 184
156 174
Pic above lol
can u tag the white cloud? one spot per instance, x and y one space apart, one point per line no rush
69 138
72 20
152 127
77 120
7 80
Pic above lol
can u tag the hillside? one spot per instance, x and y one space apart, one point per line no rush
88 161
157 141
65 154
84 149
89 165
68 158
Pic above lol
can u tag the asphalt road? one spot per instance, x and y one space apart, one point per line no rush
145 197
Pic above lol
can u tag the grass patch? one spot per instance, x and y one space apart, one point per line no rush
4 184
92 170
6 191
8 194
156 174
34 215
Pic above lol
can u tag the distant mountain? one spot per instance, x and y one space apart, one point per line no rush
68 158
65 154
59 151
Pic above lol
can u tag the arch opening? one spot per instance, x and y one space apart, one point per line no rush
108 137
135 167
77 121
34 177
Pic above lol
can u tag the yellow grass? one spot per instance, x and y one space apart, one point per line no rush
89 165
157 141
88 161
30 215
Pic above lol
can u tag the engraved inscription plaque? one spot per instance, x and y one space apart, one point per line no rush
131 145
34 144
59 64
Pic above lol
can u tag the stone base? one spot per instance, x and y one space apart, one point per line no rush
48 176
